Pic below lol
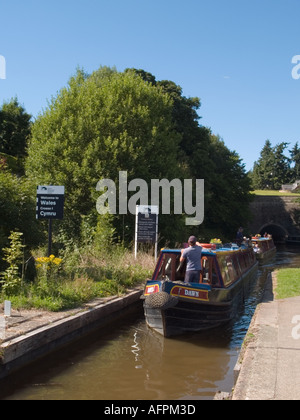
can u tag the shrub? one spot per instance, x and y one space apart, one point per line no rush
10 279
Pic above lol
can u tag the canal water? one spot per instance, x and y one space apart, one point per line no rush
131 362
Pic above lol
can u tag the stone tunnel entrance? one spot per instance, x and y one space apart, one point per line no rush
278 232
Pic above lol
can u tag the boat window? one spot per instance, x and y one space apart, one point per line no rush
170 268
205 276
180 269
224 269
243 262
165 268
233 274
229 269
209 273
236 264
252 257
215 282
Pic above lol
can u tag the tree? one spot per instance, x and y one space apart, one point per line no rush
272 170
14 128
227 204
295 158
97 126
263 168
108 122
193 146
17 210
281 171
205 156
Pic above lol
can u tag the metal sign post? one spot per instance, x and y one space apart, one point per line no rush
50 206
146 226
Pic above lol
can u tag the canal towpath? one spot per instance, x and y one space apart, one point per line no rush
269 369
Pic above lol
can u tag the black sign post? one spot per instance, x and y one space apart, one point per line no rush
50 206
146 226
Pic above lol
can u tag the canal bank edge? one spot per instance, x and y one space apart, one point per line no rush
243 368
35 343
249 342
267 366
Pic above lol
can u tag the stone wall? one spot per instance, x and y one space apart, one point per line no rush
279 216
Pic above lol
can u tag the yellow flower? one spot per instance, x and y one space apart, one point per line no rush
57 261
48 261
216 241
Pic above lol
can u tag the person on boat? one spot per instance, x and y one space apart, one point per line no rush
192 255
239 236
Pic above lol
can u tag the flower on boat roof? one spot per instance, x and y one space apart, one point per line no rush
216 241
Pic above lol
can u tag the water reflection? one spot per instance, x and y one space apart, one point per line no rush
132 362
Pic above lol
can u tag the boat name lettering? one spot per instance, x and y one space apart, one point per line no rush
190 293
193 293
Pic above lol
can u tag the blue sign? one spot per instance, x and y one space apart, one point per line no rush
50 202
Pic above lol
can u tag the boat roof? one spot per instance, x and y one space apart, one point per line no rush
261 239
205 251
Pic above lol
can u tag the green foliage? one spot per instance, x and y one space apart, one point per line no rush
11 280
11 163
15 126
17 209
295 159
205 156
109 121
105 233
83 275
96 127
273 168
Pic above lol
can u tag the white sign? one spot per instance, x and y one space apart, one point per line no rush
7 308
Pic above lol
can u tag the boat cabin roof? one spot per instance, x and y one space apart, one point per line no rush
261 239
205 251
220 267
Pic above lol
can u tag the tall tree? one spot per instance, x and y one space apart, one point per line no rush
205 156
97 126
227 206
263 168
281 171
14 128
295 159
272 169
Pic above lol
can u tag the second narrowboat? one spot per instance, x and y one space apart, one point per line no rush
264 248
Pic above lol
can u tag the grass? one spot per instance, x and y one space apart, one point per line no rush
288 283
83 276
275 193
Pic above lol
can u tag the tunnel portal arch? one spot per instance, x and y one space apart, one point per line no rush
278 232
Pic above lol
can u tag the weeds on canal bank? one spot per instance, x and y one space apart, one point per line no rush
78 277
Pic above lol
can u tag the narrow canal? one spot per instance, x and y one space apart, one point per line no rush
131 362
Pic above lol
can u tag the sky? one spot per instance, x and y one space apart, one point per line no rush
235 55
